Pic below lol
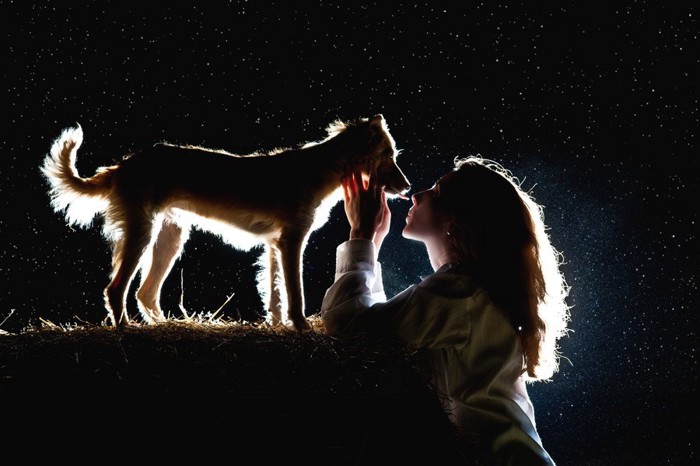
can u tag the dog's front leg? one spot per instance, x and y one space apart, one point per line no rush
291 247
274 305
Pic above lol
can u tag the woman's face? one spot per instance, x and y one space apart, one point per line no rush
422 222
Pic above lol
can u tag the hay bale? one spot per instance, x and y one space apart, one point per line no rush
252 387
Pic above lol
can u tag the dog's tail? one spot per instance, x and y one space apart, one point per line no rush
80 198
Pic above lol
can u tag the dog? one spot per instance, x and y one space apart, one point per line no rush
152 198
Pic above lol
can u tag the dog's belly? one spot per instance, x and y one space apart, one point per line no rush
242 229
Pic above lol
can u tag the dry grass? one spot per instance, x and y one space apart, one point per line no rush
203 379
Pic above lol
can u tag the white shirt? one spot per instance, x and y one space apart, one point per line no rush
469 347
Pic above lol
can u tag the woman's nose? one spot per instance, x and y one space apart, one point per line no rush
416 197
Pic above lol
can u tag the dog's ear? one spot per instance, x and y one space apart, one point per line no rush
377 121
376 129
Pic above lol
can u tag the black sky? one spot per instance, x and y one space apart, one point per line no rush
594 108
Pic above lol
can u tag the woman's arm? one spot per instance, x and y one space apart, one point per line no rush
357 286
358 278
432 314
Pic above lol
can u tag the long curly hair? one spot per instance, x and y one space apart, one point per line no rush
498 230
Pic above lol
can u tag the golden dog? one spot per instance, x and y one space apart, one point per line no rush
152 198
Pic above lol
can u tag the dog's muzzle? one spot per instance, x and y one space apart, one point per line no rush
397 192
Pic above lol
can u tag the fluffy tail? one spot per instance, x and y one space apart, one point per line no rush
80 198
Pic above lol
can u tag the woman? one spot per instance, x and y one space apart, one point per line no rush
489 317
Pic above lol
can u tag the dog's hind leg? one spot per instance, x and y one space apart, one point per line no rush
165 251
126 256
291 246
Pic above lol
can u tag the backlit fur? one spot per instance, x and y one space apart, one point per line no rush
151 199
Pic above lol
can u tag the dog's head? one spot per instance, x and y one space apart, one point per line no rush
374 148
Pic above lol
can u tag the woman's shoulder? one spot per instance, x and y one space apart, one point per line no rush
452 281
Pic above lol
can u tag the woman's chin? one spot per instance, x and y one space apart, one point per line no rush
408 233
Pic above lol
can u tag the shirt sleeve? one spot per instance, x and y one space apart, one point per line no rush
423 315
357 272
358 285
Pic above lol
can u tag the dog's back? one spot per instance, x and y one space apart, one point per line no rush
170 174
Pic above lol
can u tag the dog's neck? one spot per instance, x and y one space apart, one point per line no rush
333 158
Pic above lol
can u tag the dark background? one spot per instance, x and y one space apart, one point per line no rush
594 108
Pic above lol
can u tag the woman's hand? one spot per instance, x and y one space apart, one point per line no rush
383 228
366 208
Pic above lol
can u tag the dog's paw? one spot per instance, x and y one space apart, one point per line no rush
302 326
